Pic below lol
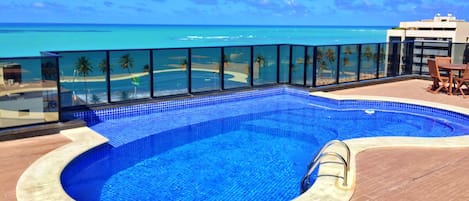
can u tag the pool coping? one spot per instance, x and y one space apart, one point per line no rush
41 180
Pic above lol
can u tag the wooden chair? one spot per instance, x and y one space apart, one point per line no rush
439 81
443 60
462 81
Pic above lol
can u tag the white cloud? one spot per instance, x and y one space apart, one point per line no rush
38 5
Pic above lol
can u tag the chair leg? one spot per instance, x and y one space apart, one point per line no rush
459 86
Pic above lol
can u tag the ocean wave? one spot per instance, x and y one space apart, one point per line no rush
220 37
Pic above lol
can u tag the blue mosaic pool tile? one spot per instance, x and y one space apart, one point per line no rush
235 107
95 116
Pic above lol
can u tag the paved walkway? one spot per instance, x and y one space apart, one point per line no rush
383 174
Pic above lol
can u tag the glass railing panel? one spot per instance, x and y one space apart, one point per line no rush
28 91
382 57
265 65
82 78
284 63
368 61
460 53
129 73
326 65
170 71
205 69
309 66
236 63
298 65
348 64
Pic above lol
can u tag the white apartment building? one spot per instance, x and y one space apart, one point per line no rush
440 36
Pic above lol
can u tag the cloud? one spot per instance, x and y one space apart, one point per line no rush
38 5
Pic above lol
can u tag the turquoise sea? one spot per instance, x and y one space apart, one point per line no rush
31 39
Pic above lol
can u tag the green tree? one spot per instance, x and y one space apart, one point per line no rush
368 53
330 55
320 60
146 68
95 99
348 51
103 66
346 61
184 64
83 68
260 60
126 62
226 60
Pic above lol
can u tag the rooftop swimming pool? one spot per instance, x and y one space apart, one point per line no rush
252 145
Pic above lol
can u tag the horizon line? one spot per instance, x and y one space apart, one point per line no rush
137 24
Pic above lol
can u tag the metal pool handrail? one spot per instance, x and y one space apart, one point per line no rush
305 182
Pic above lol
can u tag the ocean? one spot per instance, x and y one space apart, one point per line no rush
19 40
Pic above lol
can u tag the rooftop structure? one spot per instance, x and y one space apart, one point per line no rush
431 37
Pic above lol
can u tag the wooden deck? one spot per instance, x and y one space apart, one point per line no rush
383 174
17 155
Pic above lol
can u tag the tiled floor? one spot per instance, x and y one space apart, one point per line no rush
383 174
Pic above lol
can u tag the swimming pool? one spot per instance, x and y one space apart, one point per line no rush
253 146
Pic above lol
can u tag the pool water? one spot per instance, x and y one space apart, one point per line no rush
249 149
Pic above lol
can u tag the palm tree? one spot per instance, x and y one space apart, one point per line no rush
146 68
260 60
330 55
103 66
83 67
226 60
368 53
95 99
184 64
348 50
347 53
321 62
126 62
346 61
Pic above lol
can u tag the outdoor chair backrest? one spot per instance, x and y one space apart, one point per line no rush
442 60
432 68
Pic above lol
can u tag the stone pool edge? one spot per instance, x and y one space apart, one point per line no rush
41 180
330 188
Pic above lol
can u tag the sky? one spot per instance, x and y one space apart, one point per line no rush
230 12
